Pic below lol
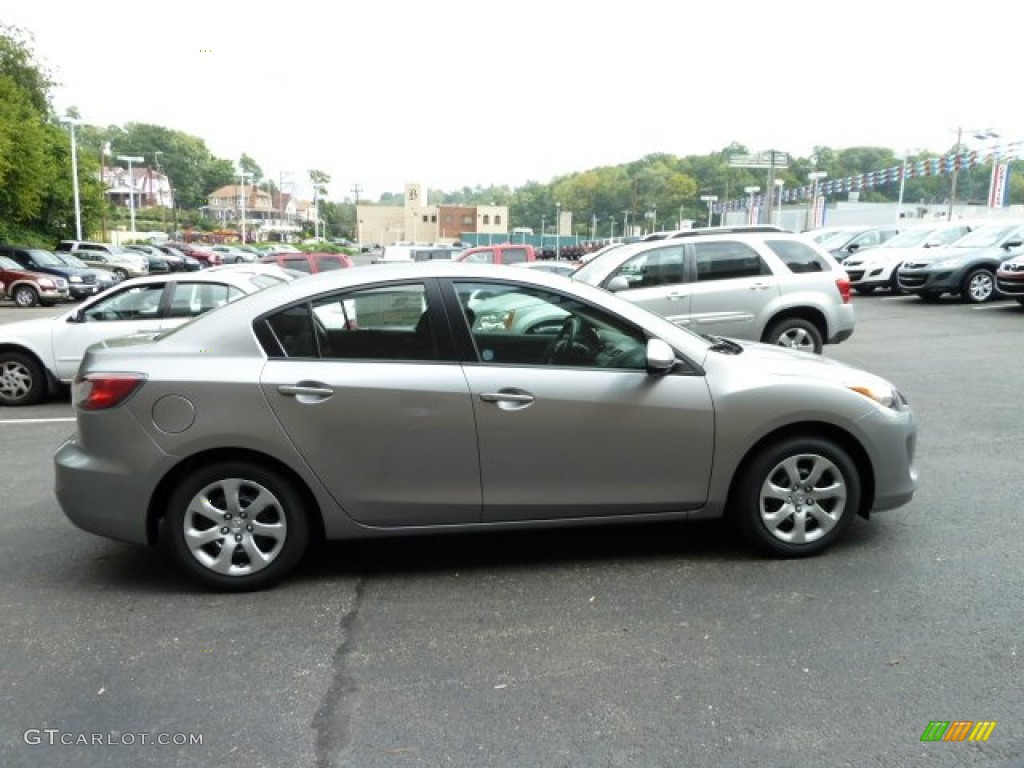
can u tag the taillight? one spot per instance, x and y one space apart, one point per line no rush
843 284
99 391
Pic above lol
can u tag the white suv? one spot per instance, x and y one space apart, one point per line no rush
773 287
121 262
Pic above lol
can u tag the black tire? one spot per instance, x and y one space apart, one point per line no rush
894 285
286 532
22 380
979 286
121 274
25 296
864 290
773 521
796 333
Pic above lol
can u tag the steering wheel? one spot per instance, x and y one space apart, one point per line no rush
576 343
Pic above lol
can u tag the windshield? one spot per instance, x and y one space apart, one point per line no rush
986 237
836 240
915 238
45 258
71 261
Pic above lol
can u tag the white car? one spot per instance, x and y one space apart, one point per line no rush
38 355
876 267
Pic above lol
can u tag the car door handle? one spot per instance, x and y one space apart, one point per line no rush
760 286
506 397
676 295
305 392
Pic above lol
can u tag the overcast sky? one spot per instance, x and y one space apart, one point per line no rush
454 93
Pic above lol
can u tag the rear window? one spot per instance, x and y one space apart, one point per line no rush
299 263
514 255
327 263
798 257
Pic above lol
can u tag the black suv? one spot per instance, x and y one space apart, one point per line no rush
82 281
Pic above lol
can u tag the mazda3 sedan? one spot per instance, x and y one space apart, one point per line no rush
371 402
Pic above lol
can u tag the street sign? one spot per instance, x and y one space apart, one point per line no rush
770 158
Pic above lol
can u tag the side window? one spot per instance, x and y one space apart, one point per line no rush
658 266
513 255
301 263
798 257
521 325
387 323
327 263
727 260
480 257
141 302
193 299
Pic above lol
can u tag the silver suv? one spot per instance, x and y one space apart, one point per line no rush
121 262
773 287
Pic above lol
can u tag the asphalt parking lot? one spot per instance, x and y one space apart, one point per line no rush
644 646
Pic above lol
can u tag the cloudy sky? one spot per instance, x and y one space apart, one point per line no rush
454 93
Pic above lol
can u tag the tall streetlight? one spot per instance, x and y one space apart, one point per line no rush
778 191
751 191
558 231
814 177
72 122
710 200
242 175
131 184
611 227
979 133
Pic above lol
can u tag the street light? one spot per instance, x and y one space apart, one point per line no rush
710 200
814 177
611 227
243 174
131 184
558 231
751 191
778 186
72 122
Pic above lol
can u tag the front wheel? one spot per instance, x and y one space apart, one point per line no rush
120 274
237 526
796 333
25 296
979 287
796 497
22 381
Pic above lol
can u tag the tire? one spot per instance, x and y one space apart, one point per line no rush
894 285
979 287
25 296
22 381
205 516
1021 302
780 516
864 290
796 333
121 274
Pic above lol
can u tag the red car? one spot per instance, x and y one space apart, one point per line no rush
506 253
308 262
205 255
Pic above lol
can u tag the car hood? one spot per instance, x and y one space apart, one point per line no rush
886 255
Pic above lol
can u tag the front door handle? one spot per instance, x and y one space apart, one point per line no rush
306 393
506 397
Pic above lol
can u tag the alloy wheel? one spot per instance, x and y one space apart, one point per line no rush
802 498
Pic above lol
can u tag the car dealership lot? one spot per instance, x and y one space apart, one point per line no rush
661 645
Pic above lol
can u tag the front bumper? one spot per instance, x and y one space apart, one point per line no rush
931 280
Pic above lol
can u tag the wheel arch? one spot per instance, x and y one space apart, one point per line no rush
812 429
811 314
158 499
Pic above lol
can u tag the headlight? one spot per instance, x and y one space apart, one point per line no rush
74 279
882 393
46 282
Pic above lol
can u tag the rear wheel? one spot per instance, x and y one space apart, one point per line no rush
22 381
237 526
796 333
121 274
25 296
796 497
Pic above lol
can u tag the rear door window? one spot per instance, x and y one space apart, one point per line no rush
798 257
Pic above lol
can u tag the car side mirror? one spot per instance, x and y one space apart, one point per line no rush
1012 244
853 247
618 283
661 358
76 316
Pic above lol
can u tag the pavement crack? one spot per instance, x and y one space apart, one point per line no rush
331 721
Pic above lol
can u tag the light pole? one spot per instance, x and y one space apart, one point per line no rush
979 133
907 154
72 122
778 187
611 227
131 184
814 177
751 191
710 200
558 231
243 174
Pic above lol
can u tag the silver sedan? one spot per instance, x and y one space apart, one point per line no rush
368 402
